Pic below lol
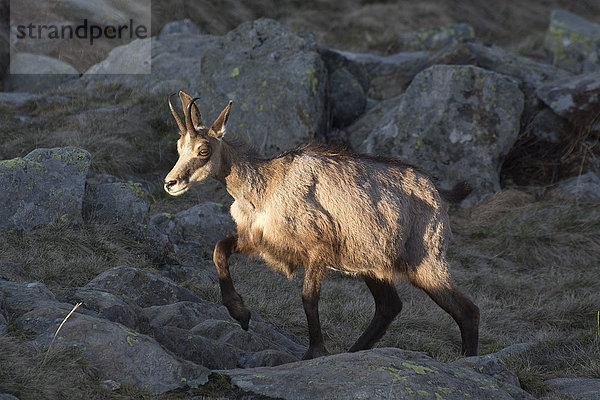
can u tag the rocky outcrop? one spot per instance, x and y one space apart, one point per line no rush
138 328
376 374
457 123
276 79
574 42
46 186
117 352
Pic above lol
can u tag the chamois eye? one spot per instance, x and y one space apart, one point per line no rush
204 152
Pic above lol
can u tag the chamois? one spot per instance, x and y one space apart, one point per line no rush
316 208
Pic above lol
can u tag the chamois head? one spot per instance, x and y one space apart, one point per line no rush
199 147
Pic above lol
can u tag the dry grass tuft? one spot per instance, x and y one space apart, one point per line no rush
63 256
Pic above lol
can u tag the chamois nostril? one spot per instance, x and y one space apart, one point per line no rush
170 184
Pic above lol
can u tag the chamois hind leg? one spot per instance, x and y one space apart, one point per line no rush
311 289
433 278
231 299
387 306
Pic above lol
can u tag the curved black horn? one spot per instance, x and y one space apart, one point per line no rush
177 118
188 116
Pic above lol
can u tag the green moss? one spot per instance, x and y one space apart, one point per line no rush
20 163
419 369
136 189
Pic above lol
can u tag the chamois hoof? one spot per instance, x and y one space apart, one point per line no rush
241 314
314 352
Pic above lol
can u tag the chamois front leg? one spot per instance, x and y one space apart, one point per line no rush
310 300
231 299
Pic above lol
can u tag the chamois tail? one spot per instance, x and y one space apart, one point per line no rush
458 192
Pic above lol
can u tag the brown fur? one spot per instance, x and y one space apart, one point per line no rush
317 208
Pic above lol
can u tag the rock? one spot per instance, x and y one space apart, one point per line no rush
197 348
348 83
574 42
140 287
585 187
389 75
529 73
434 38
194 232
276 79
20 297
20 98
115 351
203 332
576 388
575 98
46 186
382 114
547 127
37 73
267 358
111 307
6 396
455 122
185 27
132 58
347 98
119 203
382 373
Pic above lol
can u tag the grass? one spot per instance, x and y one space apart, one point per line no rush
62 256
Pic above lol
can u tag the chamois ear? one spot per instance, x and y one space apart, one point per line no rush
218 128
194 112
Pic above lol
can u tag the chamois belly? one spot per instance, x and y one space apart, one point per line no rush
297 242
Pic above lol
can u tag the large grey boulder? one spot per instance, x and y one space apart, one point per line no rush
455 122
194 232
115 351
276 79
575 98
46 186
37 73
118 203
374 374
574 42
